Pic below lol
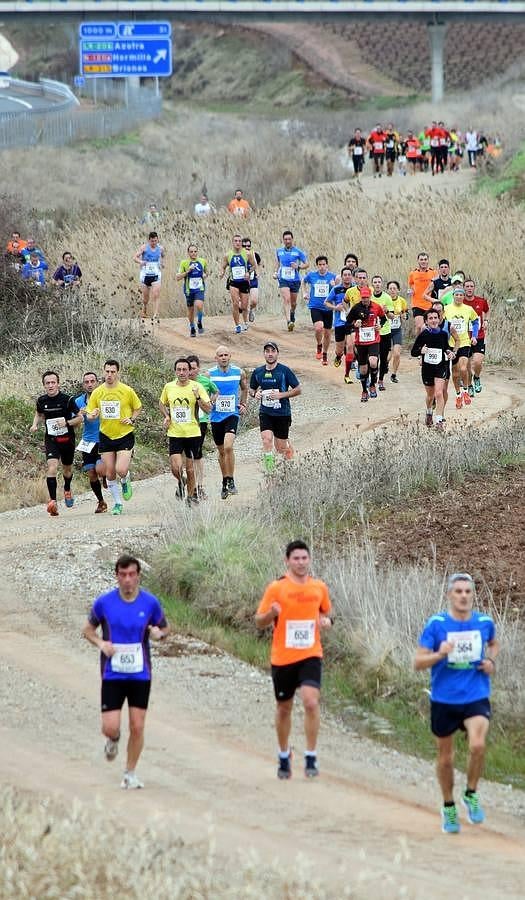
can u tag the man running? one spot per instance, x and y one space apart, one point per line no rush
254 278
440 284
365 320
317 287
238 262
150 258
465 322
475 363
92 463
128 617
297 607
204 417
383 298
193 271
400 313
356 151
376 144
272 385
391 149
290 261
230 403
459 645
58 413
353 296
179 403
418 281
335 302
432 345
117 407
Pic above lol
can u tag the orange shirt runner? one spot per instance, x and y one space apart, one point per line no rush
296 632
239 207
419 281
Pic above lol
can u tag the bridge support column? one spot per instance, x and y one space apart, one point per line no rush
436 35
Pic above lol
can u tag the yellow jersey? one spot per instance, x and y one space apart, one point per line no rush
182 404
353 296
460 318
114 404
400 308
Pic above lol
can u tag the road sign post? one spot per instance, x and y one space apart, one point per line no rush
125 49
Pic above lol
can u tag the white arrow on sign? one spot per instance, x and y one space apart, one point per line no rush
161 54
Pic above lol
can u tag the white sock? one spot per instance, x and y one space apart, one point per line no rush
115 491
284 754
310 753
124 478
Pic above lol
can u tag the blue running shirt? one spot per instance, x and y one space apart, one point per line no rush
457 679
319 288
227 401
126 625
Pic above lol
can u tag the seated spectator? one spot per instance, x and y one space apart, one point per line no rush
30 248
35 269
68 274
239 206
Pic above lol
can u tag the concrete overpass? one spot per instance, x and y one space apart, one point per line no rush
437 14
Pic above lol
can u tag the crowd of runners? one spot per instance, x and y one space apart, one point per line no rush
436 148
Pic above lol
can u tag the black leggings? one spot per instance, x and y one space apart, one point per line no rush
385 347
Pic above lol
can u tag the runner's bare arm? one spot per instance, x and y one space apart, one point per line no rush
488 664
38 418
427 293
138 255
426 658
157 633
263 620
244 390
90 633
166 413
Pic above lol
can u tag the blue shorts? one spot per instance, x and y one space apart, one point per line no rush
295 286
397 336
90 460
446 718
193 296
254 283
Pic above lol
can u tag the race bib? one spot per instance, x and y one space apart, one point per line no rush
238 273
181 415
55 427
468 647
390 145
300 634
68 279
196 284
128 659
459 325
433 356
86 446
378 145
269 402
434 142
226 403
357 151
288 273
395 322
367 335
151 268
342 315
110 409
321 289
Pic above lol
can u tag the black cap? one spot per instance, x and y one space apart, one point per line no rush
271 344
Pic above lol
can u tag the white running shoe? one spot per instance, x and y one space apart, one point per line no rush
130 782
110 749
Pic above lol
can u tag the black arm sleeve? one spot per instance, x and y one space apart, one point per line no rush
418 343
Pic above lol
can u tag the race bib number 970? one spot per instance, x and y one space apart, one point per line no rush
225 403
300 634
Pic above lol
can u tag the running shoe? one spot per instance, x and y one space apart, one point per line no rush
459 401
193 500
477 385
179 493
441 426
245 326
68 499
201 493
251 316
130 782
311 769
284 769
117 510
394 379
475 813
127 490
429 420
224 492
337 362
373 392
319 354
348 380
200 327
471 390
364 397
193 332
231 486
325 362
289 453
450 820
381 386
237 329
101 507
52 508
111 749
466 399
291 326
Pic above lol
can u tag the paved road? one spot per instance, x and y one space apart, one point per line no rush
14 99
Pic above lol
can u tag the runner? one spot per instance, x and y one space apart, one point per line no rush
447 295
193 271
238 262
424 142
400 314
382 298
418 282
365 320
128 617
58 413
459 645
434 133
13 250
179 403
376 143
471 146
444 143
35 269
31 247
440 284
290 261
150 258
204 418
316 289
203 208
297 607
92 463
351 262
391 149
230 403
335 302
118 408
353 296
462 318
272 385
475 363
238 206
254 279
413 152
69 274
356 151
432 345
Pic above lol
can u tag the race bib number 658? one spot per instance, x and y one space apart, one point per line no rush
300 634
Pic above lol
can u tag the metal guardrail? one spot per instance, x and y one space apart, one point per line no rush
60 95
